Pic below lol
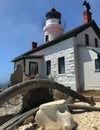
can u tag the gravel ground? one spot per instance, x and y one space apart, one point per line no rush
85 120
12 106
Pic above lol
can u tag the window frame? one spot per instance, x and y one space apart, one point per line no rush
48 67
61 65
35 68
47 38
97 64
96 42
86 39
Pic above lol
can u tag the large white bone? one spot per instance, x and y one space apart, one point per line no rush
54 116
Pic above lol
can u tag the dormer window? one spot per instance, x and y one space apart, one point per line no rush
96 42
86 39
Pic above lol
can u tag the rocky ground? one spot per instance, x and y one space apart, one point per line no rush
12 106
85 120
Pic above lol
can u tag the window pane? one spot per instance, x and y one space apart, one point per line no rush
48 64
47 38
97 64
96 42
61 65
33 68
87 39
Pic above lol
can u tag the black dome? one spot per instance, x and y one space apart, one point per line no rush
53 14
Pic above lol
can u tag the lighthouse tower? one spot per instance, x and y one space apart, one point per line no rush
53 27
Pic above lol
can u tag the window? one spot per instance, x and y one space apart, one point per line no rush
96 42
87 39
61 65
97 65
48 66
59 21
33 68
47 38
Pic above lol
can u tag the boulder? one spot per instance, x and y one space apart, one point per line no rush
36 97
17 76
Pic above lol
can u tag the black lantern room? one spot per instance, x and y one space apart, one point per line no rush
53 14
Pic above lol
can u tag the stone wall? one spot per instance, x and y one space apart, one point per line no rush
17 76
62 49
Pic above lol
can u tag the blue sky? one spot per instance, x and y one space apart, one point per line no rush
21 23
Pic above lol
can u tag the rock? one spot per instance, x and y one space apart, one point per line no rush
29 119
96 128
59 95
17 76
54 116
36 97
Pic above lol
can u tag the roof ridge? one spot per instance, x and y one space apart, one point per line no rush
74 32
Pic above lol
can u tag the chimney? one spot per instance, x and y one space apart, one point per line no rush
87 16
34 45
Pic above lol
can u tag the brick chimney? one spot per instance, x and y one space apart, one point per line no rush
87 16
34 45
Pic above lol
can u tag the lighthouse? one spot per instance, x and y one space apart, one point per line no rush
53 25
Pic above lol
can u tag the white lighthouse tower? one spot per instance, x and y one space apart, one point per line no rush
53 27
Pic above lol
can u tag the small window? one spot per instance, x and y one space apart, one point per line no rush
59 21
61 65
48 66
33 68
87 39
97 65
47 38
96 42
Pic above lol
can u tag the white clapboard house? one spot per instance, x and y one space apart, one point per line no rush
71 58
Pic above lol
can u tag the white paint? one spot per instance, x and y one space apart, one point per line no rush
62 49
52 21
39 61
89 78
79 60
53 29
92 36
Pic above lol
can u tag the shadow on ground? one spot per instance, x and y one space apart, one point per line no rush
5 118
